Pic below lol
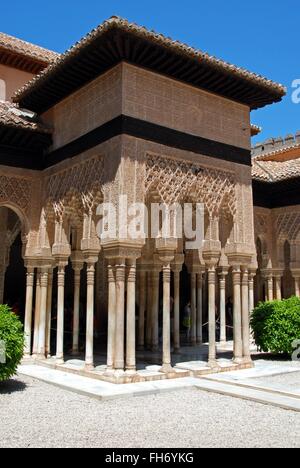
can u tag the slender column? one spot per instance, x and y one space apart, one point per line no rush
155 310
49 311
176 311
297 286
28 310
76 310
120 298
222 284
270 288
89 348
166 365
37 312
194 310
111 317
245 315
212 354
149 310
251 291
278 287
130 326
237 319
60 313
199 308
142 308
43 314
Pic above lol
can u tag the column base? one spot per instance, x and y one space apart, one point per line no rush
130 372
166 369
89 367
238 360
75 352
41 356
59 361
213 364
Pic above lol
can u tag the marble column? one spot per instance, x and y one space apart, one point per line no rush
37 312
297 285
193 309
149 310
245 315
176 310
28 310
155 310
270 287
166 361
89 347
222 285
278 287
130 316
120 304
142 308
60 313
212 353
111 317
251 291
199 308
43 313
76 309
49 313
237 316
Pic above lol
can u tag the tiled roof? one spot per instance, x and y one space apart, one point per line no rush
275 171
12 116
273 91
17 46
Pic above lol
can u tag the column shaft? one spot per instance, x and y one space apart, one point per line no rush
28 310
120 299
142 308
166 367
199 308
194 309
49 312
43 314
111 333
37 312
245 315
155 310
223 335
212 354
176 310
237 318
60 314
89 348
130 334
76 311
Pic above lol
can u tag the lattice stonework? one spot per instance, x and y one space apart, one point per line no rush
288 226
15 190
260 224
181 181
80 178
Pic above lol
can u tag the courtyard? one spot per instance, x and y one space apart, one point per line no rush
35 414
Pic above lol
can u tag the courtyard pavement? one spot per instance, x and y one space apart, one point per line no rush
36 414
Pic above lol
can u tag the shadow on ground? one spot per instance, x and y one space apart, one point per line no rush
11 386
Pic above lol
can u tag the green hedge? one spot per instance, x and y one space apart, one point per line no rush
276 325
12 336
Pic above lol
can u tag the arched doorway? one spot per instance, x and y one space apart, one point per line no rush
12 270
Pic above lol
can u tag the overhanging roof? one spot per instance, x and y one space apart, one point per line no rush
24 56
118 40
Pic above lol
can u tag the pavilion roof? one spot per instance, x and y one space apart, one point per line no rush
118 40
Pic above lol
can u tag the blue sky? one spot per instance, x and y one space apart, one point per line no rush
260 35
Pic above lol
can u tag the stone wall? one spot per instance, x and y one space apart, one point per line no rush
148 96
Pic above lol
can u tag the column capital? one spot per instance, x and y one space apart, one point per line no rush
115 249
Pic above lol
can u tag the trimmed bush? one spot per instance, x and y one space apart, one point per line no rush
12 337
276 325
